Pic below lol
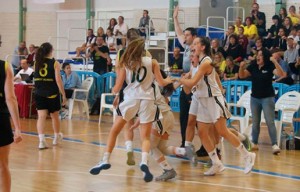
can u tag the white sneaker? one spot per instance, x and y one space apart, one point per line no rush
249 162
58 140
43 145
215 168
275 149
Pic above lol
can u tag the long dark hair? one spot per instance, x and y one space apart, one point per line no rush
44 50
266 56
205 42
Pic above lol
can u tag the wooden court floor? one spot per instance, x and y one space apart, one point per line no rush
65 168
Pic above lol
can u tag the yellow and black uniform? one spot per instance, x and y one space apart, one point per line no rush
6 134
46 89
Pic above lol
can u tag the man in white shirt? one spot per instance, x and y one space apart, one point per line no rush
120 31
25 70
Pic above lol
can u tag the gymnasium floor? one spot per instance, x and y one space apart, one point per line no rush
65 168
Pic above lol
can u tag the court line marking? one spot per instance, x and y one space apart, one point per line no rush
233 167
138 177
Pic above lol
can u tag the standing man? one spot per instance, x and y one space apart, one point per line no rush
186 39
258 18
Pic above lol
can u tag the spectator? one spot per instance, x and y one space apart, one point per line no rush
261 71
90 39
112 23
100 32
273 31
254 50
258 18
175 62
70 80
287 25
110 40
20 52
120 31
282 15
227 37
293 33
31 56
235 50
238 23
243 41
218 59
287 76
280 40
231 70
291 56
145 21
293 15
25 69
250 31
215 47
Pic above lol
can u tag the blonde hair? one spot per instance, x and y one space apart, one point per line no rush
132 57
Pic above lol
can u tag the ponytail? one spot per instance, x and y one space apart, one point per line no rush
44 50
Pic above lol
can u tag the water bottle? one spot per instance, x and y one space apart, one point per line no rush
283 140
292 141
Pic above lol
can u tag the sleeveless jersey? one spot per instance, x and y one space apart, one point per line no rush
44 79
140 82
208 86
3 106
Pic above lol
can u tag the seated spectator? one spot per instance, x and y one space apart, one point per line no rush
227 37
287 25
90 39
293 15
282 15
100 32
144 24
243 41
31 56
215 47
19 53
238 24
258 46
219 61
294 35
110 40
231 71
235 50
280 40
120 31
287 77
70 80
112 23
291 56
25 69
175 62
250 31
273 31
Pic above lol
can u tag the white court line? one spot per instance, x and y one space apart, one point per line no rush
126 176
87 134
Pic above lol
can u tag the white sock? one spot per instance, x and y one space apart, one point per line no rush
242 150
56 135
106 157
214 157
129 145
241 137
42 137
144 158
179 151
165 165
187 143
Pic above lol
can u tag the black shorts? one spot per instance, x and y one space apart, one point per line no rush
6 134
69 93
50 104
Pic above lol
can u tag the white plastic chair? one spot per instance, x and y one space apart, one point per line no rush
288 104
81 97
104 105
243 102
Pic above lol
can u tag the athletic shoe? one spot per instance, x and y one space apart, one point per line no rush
215 168
130 158
191 155
254 147
59 139
249 162
275 149
147 175
247 142
202 152
167 174
99 167
43 145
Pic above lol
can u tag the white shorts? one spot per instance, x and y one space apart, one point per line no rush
210 109
166 124
146 110
194 107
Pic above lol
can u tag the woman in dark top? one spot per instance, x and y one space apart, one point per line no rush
262 70
231 70
282 14
235 50
112 23
48 86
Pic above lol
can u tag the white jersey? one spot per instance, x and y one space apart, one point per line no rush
140 83
160 100
208 86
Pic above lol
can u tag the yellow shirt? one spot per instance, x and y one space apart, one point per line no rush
249 31
222 66
236 29
295 20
